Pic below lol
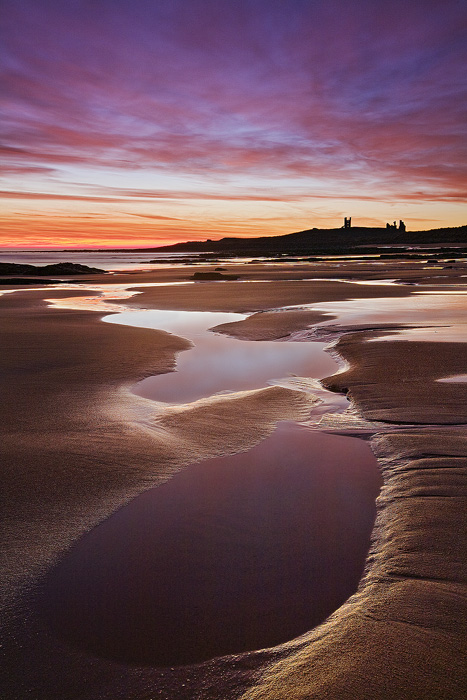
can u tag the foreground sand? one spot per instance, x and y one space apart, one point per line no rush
75 433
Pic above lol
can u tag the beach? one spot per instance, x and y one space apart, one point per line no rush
79 446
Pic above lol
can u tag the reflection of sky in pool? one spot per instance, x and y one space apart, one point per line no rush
218 362
422 307
234 553
456 379
444 314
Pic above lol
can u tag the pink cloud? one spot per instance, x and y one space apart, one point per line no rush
360 97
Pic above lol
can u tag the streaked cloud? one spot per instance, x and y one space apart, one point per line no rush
274 103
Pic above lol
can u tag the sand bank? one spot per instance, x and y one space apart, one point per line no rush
396 381
270 326
259 295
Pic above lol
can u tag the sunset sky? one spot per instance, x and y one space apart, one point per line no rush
153 121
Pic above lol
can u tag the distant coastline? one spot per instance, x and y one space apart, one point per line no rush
328 240
319 240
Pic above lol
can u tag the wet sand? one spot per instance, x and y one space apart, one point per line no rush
396 380
72 430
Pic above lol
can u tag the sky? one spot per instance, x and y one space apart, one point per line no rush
147 122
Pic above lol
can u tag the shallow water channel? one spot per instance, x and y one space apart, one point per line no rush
234 553
219 363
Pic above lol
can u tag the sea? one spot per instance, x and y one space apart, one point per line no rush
110 260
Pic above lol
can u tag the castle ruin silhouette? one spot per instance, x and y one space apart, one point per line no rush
392 227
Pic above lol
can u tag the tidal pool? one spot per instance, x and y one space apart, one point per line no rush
232 554
217 362
437 316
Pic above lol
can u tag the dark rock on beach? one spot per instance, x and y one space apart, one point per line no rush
212 276
65 268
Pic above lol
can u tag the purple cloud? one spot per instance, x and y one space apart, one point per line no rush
363 97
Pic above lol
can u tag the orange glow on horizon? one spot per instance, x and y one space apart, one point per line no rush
61 231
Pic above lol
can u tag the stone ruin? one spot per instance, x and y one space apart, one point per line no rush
394 226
